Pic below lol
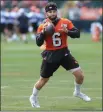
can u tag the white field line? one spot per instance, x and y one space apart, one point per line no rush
22 49
30 56
52 87
73 88
50 97
67 88
3 87
29 107
21 56
17 107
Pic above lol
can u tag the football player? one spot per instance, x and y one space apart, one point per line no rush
56 53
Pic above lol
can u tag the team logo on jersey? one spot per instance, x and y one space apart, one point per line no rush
63 25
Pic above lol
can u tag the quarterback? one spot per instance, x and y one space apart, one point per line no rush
56 52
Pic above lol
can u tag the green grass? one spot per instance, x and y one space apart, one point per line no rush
20 67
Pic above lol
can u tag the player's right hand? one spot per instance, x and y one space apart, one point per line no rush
44 28
48 28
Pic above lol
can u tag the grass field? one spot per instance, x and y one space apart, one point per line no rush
20 67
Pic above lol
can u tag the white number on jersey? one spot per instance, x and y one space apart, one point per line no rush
56 40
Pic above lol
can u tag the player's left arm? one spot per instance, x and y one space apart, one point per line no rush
74 33
71 30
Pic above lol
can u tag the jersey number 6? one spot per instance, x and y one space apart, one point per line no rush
56 40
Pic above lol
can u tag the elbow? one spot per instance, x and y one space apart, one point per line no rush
78 34
74 33
39 40
38 44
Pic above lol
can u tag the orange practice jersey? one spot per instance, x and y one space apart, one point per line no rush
59 39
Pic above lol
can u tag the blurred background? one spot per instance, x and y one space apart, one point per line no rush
82 14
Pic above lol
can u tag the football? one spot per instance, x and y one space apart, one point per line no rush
49 29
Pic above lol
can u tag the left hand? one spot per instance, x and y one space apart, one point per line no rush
64 29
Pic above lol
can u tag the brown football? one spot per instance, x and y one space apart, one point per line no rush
50 29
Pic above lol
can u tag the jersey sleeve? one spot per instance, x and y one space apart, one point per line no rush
69 24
